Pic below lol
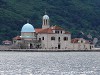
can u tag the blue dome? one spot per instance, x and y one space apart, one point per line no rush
28 28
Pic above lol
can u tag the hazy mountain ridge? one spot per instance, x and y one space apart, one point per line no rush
73 15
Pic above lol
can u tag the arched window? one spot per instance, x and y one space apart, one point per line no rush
61 32
52 38
46 22
59 39
42 38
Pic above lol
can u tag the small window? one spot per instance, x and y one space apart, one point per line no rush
61 32
59 39
42 38
39 39
52 38
46 22
65 38
57 32
81 41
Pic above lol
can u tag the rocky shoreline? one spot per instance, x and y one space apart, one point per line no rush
8 48
47 50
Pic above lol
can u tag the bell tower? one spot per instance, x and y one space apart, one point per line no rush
46 20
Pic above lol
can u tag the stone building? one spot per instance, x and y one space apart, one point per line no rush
6 42
81 44
48 37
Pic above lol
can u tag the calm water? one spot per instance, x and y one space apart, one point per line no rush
61 63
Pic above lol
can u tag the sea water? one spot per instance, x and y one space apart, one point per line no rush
49 63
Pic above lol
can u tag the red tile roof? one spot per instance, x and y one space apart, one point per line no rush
75 40
56 28
7 42
47 30
50 30
17 38
38 30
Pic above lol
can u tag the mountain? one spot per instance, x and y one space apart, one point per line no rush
73 15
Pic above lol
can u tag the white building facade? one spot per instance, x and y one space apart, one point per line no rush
49 37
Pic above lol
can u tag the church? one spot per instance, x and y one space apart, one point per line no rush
49 37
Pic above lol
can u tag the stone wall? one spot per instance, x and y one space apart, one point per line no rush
4 47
